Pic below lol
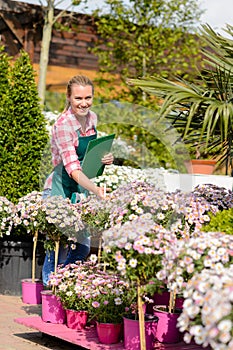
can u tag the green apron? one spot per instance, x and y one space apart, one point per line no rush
62 184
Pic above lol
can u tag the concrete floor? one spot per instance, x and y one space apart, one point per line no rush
14 336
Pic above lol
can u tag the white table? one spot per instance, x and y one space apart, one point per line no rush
187 182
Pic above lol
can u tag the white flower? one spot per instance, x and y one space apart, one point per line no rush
121 265
225 326
160 216
133 262
225 337
93 258
118 301
196 330
187 338
128 246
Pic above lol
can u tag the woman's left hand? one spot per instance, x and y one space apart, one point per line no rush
107 159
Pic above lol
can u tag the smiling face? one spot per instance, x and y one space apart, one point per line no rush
81 99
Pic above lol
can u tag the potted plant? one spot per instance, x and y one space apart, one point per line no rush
211 250
7 213
221 222
26 219
14 251
202 109
72 284
207 314
60 221
208 250
201 161
55 219
111 298
7 247
86 288
100 215
132 249
216 196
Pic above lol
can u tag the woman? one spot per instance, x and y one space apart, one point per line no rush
75 127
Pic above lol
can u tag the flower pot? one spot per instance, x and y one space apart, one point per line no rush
76 319
164 297
109 333
132 333
201 166
52 309
31 291
167 331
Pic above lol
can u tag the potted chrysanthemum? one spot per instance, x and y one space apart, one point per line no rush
89 292
207 315
10 250
72 284
210 250
26 220
145 223
54 218
115 176
7 213
135 249
111 299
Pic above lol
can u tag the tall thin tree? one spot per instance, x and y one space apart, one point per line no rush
50 18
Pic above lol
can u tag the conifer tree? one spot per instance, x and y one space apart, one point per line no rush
23 131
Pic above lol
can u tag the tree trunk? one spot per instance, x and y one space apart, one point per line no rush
45 45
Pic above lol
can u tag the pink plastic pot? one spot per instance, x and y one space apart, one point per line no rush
132 333
167 331
76 319
109 333
52 310
31 291
163 299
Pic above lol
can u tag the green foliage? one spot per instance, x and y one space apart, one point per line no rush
146 38
54 101
22 129
221 222
202 109
141 127
4 74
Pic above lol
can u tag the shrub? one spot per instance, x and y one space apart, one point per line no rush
23 134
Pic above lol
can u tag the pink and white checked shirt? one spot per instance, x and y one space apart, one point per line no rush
65 140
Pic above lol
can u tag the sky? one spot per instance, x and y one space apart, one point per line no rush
217 14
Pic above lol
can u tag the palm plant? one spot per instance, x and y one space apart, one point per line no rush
203 109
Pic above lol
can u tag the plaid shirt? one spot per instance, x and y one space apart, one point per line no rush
65 140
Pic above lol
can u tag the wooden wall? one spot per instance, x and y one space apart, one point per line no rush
21 27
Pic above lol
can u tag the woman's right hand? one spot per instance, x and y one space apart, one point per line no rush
102 191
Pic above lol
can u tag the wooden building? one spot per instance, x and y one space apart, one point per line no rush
21 26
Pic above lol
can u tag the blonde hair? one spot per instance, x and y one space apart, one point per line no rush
78 80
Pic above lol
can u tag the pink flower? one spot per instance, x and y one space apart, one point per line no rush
95 304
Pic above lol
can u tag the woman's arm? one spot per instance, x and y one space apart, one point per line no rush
82 180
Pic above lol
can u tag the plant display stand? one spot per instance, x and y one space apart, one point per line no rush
88 338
